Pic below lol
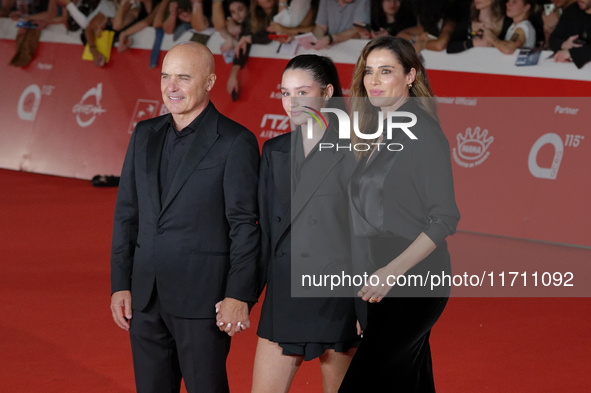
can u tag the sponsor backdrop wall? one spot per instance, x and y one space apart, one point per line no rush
521 164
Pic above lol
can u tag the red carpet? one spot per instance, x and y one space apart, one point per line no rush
57 334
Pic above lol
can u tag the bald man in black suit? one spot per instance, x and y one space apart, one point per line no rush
185 233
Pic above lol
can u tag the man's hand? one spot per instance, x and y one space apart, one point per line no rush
570 43
232 316
121 308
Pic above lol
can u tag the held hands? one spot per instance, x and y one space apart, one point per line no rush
121 308
232 316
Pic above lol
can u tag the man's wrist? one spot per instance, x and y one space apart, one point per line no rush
330 39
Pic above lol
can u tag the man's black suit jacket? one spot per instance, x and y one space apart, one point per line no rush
200 244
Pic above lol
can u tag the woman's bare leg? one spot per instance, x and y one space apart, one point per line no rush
273 371
333 366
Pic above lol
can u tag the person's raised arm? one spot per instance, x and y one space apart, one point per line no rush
6 7
95 29
441 42
124 41
218 16
198 20
160 13
120 18
331 39
320 30
294 14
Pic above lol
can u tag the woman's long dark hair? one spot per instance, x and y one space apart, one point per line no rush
259 20
324 72
404 17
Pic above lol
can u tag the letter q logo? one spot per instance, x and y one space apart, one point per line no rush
26 110
534 168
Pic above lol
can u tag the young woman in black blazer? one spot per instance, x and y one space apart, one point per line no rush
403 205
305 230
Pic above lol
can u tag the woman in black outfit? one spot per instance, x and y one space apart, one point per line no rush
304 230
484 15
389 17
403 205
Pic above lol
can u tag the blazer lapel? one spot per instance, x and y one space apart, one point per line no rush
282 180
312 177
206 136
153 157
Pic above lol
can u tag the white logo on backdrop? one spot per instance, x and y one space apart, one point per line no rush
532 161
43 66
144 109
472 149
86 113
278 125
29 114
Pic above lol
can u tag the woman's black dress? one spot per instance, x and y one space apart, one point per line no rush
395 196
